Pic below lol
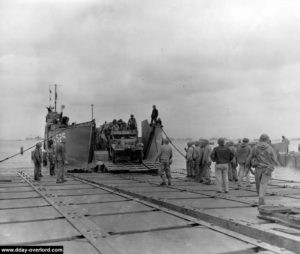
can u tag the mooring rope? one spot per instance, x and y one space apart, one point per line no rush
29 148
173 144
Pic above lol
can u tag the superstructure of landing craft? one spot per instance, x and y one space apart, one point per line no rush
79 138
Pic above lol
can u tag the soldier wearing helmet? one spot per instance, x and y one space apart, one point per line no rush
165 158
37 159
154 115
242 153
197 156
51 157
189 159
132 123
60 160
266 158
206 162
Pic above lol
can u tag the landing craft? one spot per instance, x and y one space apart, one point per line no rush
79 138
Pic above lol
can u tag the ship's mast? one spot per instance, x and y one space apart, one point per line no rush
55 97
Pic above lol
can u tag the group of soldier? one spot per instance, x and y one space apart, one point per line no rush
56 155
232 163
119 125
198 160
103 133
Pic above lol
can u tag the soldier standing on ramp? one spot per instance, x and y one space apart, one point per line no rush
154 115
165 159
60 160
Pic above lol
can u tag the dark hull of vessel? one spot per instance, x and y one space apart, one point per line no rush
79 142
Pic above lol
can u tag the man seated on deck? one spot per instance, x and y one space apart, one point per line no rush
265 158
132 123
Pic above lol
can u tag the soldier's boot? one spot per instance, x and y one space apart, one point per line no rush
261 201
163 177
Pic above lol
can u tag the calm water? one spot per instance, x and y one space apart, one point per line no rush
8 148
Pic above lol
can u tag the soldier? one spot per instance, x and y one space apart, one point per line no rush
154 115
51 157
206 162
132 123
197 155
60 160
242 155
165 158
222 156
159 122
189 159
285 140
37 159
232 172
265 158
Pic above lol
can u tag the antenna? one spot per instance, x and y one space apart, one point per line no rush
50 92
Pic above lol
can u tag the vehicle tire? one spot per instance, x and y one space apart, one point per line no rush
109 154
113 156
140 157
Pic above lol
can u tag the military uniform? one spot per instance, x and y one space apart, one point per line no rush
197 155
132 123
60 160
37 159
206 162
154 115
189 160
51 159
266 158
242 155
165 158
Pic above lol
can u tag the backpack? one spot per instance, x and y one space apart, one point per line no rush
254 161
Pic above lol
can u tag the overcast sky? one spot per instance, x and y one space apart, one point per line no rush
212 68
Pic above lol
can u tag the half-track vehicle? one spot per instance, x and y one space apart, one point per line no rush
124 145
